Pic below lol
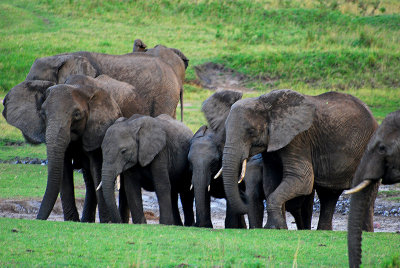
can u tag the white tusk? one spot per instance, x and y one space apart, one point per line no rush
244 165
359 187
218 174
191 187
209 187
99 187
118 182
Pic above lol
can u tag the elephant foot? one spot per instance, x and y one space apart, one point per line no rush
275 220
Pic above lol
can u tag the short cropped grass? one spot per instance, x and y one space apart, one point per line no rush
27 242
29 181
311 46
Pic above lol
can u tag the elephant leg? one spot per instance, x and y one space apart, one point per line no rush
162 186
298 180
233 220
175 209
89 206
187 205
96 160
123 202
133 192
307 210
67 193
163 191
256 212
328 199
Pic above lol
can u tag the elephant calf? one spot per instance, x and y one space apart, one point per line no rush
150 153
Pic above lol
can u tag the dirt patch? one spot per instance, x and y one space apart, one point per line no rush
217 76
384 222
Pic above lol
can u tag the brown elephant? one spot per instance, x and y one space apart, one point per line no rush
319 140
157 76
381 160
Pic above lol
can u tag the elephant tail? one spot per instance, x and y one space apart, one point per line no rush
181 100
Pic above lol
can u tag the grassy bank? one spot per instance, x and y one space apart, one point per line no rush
25 242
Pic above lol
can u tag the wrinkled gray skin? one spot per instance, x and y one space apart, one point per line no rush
157 80
319 140
205 157
261 181
381 160
78 113
151 153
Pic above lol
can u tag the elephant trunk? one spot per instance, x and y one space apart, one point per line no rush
108 177
371 169
200 181
359 206
231 162
57 140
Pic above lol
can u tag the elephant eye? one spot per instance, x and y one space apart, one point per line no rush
382 149
77 115
123 151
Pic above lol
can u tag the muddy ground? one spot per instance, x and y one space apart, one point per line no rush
387 213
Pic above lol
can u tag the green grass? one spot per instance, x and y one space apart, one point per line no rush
29 181
27 242
310 46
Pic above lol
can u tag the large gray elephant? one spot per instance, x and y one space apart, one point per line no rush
319 140
151 153
205 157
78 112
381 160
157 79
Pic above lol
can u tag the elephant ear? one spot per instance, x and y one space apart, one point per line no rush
290 113
217 107
151 138
58 68
103 112
22 107
73 64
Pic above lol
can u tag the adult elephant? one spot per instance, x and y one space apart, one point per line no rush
79 113
157 79
205 158
157 76
151 153
381 160
319 140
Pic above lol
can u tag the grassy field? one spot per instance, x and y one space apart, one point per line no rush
311 46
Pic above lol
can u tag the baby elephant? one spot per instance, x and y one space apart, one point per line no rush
150 153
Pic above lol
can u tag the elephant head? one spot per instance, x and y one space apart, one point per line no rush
381 160
72 113
22 106
127 143
263 124
58 68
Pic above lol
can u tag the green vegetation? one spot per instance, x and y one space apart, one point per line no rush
311 46
27 242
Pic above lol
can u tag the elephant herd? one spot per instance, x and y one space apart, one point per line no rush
111 115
